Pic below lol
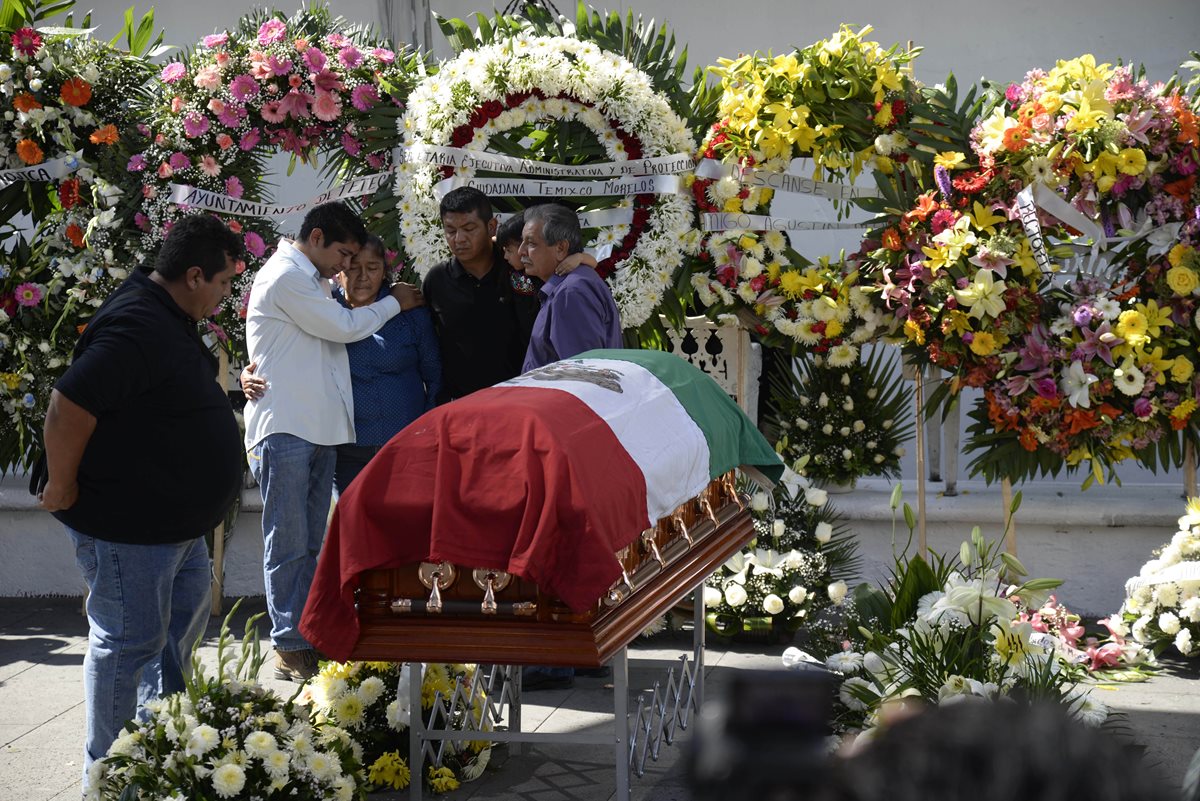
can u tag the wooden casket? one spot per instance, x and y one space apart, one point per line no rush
548 520
480 610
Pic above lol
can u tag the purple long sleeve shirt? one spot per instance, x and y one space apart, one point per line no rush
578 314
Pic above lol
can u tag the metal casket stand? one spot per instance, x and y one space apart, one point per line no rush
634 738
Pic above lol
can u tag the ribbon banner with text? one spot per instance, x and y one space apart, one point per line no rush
783 181
458 157
46 171
602 218
1093 246
733 221
193 197
535 187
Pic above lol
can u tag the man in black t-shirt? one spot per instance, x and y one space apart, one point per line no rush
145 458
483 312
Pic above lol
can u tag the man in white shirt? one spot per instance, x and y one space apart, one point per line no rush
296 334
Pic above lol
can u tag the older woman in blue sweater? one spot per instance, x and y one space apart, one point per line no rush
395 374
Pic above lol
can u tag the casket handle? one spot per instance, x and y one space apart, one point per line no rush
648 539
682 528
730 483
491 582
436 577
707 507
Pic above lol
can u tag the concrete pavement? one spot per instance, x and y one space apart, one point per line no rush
42 644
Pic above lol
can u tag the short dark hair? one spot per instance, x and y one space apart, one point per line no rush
558 224
376 246
197 240
510 230
464 200
337 223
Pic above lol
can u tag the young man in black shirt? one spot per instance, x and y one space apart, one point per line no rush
483 311
145 458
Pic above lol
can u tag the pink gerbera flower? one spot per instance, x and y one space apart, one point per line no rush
314 59
233 186
209 166
243 87
364 97
172 72
231 115
215 40
337 40
250 139
384 55
327 107
351 145
255 245
29 294
271 31
195 125
350 56
179 161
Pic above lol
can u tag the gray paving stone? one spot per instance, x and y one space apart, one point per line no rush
41 713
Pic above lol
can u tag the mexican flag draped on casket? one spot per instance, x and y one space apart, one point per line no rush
545 476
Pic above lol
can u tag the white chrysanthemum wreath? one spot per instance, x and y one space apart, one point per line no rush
499 87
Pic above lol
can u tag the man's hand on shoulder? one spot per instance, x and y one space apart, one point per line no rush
570 263
59 495
408 295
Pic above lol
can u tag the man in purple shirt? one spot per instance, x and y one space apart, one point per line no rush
578 312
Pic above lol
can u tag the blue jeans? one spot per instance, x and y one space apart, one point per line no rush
296 478
147 606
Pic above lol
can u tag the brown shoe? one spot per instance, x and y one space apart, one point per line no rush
298 666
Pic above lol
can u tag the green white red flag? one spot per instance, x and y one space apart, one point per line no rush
545 476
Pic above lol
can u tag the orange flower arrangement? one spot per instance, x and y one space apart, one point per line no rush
25 102
29 152
75 234
106 135
75 91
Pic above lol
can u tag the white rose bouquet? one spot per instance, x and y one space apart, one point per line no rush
1162 604
226 737
838 420
792 571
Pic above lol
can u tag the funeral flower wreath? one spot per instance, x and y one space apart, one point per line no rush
533 79
301 85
